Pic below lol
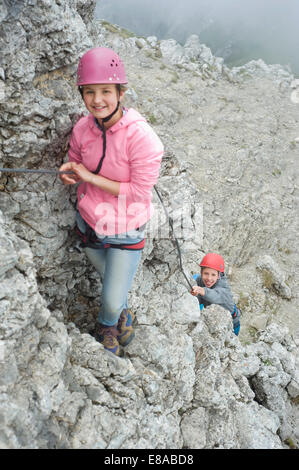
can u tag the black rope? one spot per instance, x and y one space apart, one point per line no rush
175 238
27 170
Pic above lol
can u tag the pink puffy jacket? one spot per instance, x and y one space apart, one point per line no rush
133 157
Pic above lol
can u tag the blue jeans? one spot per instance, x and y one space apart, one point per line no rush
117 269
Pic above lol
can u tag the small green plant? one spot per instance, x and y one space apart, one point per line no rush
152 119
267 362
276 172
110 27
125 33
289 442
295 400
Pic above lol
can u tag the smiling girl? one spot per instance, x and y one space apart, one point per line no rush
115 156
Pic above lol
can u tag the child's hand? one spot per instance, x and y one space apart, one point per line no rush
80 173
196 290
68 179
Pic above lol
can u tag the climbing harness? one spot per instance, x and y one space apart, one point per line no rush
89 240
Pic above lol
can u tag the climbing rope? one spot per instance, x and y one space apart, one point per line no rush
174 236
27 170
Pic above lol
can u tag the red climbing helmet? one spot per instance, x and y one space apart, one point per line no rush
101 65
213 261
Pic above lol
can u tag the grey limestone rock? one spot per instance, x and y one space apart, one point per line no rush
186 381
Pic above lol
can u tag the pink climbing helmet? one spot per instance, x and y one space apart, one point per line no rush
101 65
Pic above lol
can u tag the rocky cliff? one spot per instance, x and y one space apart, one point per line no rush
229 181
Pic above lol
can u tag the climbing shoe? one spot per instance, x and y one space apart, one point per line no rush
107 335
125 327
236 320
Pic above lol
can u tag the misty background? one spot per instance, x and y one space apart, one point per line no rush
237 30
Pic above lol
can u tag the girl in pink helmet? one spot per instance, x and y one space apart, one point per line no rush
115 157
212 287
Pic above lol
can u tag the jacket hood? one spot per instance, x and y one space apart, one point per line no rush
221 282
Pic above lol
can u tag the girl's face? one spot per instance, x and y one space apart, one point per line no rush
209 276
101 100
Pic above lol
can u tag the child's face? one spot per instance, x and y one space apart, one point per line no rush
101 100
209 276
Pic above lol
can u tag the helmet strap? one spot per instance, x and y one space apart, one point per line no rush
107 118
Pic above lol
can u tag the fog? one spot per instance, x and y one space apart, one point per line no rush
238 30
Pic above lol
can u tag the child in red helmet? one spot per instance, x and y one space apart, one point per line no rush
213 288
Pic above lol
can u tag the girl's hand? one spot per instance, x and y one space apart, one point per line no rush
68 179
80 173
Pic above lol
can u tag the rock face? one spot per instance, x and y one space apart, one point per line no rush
228 180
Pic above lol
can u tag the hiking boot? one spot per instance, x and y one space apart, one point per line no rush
125 327
107 335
